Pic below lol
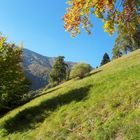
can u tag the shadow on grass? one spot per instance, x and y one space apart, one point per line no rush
89 74
47 92
94 72
4 111
31 117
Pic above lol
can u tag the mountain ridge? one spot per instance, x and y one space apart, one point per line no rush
37 68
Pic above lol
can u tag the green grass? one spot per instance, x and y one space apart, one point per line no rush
102 106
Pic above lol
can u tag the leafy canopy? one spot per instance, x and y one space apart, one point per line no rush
13 83
123 14
79 70
126 43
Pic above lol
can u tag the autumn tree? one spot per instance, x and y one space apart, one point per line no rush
105 59
123 15
59 71
13 83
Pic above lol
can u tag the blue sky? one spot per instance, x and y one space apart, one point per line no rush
38 25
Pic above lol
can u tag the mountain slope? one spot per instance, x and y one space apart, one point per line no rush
103 106
37 68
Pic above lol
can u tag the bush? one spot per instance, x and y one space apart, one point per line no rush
80 70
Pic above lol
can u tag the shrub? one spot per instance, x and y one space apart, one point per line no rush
80 70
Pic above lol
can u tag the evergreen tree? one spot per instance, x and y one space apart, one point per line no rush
13 83
59 71
105 59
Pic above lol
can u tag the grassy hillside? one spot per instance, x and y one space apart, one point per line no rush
102 106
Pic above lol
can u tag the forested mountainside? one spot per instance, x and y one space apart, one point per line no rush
37 68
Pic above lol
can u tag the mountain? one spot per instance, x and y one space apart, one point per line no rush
102 106
37 68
